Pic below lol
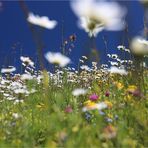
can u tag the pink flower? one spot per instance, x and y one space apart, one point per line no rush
68 109
136 93
93 97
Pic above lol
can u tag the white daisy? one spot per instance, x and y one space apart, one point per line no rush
41 21
95 16
57 58
27 61
8 70
139 46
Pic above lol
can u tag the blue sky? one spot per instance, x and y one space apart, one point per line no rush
16 38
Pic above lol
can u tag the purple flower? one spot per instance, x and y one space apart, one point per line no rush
107 93
93 97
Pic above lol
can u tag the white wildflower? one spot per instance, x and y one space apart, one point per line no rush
27 61
8 70
43 21
85 67
10 98
114 56
113 63
99 106
127 50
57 58
79 91
121 47
20 91
39 78
139 46
17 101
95 16
84 57
82 61
26 77
73 68
16 115
116 70
15 85
90 26
118 60
6 95
109 55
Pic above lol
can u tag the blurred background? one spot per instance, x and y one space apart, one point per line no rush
16 38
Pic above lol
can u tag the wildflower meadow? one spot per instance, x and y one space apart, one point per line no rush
90 105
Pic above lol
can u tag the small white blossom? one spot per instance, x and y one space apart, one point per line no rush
18 101
127 50
114 56
113 63
41 21
8 70
139 46
20 91
26 77
84 57
27 61
116 70
10 98
85 67
57 58
121 47
6 95
79 91
82 61
16 115
99 106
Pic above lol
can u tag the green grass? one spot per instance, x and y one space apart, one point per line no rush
43 122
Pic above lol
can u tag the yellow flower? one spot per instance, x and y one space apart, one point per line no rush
131 88
89 104
109 104
75 129
119 85
128 98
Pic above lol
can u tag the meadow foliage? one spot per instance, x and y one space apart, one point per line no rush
96 105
